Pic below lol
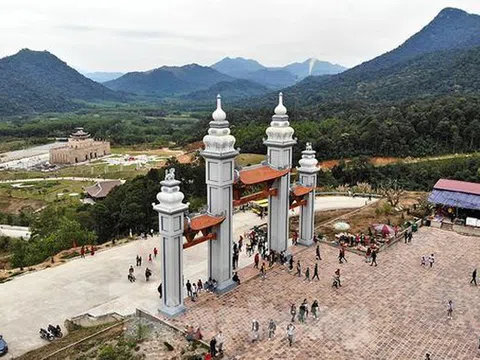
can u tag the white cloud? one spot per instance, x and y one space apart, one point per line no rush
124 35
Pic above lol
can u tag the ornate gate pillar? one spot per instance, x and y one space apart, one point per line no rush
219 155
171 211
279 144
307 173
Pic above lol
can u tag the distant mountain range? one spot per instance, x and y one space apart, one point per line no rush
441 59
37 81
102 76
173 81
275 77
168 81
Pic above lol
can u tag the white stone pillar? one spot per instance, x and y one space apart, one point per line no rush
307 176
219 155
171 211
279 144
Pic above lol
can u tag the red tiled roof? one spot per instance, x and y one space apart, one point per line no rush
458 186
205 221
102 188
260 174
300 190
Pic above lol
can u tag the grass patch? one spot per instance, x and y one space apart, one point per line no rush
72 337
249 159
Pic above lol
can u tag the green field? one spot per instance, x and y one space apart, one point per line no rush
38 194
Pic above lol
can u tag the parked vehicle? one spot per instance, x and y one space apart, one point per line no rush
55 330
44 334
3 346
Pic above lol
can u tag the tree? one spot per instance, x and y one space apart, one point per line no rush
392 191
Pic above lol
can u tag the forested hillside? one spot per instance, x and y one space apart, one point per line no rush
168 80
344 130
37 81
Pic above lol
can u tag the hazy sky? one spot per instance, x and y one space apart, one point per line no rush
125 35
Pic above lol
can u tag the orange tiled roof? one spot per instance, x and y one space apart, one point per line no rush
205 221
260 174
300 190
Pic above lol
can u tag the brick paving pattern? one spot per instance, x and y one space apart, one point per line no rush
397 310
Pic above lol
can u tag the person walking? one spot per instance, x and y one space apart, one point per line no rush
314 309
427 356
290 333
271 329
405 235
255 331
240 243
159 289
315 272
188 285
317 253
148 273
213 347
194 290
155 252
199 285
431 260
474 277
305 307
410 235
341 255
449 309
150 257
307 274
374 258
290 263
263 270
256 260
220 340
337 277
139 261
299 269
293 312
368 255
82 251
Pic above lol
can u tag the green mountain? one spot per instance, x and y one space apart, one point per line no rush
236 89
37 81
441 59
237 67
272 78
168 81
313 66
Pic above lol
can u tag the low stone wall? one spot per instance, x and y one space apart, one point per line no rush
140 313
466 230
87 320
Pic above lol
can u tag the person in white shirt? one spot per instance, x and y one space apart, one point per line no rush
431 259
290 333
220 340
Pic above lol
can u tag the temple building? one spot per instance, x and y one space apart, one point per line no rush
80 147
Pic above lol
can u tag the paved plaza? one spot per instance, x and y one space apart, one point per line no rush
98 284
397 310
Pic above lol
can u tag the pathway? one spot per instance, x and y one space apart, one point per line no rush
69 178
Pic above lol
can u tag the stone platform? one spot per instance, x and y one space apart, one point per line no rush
397 310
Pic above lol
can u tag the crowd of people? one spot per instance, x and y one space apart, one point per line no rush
138 263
